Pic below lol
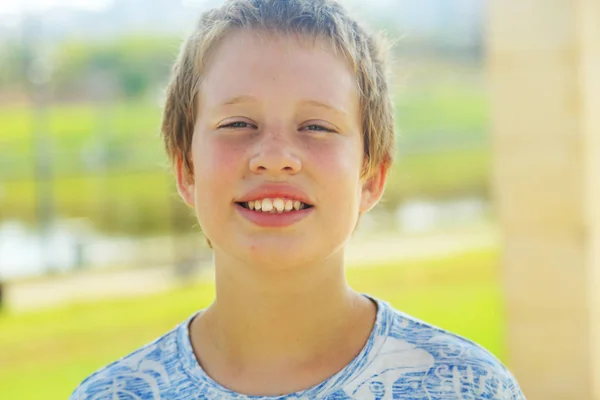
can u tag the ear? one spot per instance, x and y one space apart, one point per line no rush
373 187
185 183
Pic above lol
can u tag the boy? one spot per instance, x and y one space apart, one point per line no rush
279 125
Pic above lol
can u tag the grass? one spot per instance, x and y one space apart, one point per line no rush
56 349
429 109
440 174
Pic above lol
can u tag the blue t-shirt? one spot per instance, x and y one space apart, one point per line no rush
404 358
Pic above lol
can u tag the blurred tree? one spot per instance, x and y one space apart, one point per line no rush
10 75
139 64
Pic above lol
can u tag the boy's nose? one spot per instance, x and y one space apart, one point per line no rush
275 157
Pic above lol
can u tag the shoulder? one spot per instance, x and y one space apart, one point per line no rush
459 365
145 373
418 360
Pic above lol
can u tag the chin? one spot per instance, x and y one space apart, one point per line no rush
279 253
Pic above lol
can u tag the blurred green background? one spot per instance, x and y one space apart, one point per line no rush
87 198
58 348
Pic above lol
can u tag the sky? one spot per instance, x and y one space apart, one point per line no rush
17 7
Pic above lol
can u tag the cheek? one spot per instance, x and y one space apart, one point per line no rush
216 168
339 169
343 156
220 158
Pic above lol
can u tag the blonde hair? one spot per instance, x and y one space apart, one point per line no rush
324 19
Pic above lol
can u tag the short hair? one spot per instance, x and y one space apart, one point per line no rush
317 19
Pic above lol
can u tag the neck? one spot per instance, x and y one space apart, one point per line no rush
280 317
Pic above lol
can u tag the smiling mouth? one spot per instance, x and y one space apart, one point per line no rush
274 206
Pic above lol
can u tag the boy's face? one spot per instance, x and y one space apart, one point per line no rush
279 116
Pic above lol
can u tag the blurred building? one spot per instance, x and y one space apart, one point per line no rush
544 65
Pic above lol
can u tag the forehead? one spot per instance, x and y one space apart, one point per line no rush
278 67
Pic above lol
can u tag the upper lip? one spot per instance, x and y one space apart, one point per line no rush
272 191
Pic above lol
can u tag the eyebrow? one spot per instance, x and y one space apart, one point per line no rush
232 102
238 100
311 103
326 106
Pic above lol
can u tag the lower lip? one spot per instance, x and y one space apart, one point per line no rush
274 220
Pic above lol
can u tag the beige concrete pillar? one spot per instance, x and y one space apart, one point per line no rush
544 70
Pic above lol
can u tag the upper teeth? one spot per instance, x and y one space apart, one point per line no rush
278 205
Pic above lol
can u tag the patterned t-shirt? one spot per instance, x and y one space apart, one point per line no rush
404 358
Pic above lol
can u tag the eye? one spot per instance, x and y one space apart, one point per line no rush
237 125
317 128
